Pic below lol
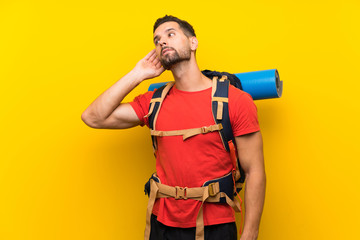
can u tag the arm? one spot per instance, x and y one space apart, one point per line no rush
250 151
107 111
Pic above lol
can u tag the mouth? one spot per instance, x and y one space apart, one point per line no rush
166 50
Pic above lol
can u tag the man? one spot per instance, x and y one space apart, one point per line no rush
188 163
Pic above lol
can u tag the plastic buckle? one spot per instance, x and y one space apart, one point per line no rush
212 191
180 193
204 130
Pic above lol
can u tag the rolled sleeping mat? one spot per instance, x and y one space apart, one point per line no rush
154 86
259 84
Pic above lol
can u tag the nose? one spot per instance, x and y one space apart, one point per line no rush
162 43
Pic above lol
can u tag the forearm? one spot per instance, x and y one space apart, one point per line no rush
254 202
109 100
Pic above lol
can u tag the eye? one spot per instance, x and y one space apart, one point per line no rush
156 42
171 34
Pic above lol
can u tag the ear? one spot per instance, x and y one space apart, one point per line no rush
193 43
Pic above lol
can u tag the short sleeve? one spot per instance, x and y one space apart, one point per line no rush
141 104
243 112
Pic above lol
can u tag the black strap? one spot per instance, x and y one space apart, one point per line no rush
222 90
157 94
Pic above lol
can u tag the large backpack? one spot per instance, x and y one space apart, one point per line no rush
220 110
219 190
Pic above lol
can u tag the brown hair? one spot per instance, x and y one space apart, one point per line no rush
184 25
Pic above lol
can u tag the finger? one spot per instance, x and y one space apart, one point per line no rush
151 59
155 61
160 70
147 57
158 64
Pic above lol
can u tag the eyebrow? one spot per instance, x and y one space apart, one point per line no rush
167 30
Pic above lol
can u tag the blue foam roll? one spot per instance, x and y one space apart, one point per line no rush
154 86
259 84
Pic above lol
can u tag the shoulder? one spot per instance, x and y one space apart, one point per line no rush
142 100
240 102
236 94
242 112
145 96
141 104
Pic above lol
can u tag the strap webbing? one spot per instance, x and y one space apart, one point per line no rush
186 133
160 99
163 95
210 193
214 85
152 102
152 197
220 99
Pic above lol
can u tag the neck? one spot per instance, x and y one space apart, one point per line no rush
188 76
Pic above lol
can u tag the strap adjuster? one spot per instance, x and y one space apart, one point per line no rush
180 192
205 129
212 191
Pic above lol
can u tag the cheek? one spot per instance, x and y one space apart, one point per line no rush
186 43
158 51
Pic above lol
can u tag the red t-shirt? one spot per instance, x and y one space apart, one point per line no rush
199 158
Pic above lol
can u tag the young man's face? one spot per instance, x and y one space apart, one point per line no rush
171 44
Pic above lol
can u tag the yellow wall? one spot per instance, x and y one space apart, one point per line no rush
60 179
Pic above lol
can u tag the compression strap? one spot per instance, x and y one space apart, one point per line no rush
210 193
159 100
186 133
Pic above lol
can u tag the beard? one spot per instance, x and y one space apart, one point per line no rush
174 57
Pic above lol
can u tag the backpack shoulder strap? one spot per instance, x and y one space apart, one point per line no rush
220 108
154 108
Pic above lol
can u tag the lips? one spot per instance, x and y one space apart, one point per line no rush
165 50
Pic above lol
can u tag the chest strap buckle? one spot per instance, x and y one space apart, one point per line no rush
180 193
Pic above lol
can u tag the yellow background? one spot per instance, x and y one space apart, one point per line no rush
60 179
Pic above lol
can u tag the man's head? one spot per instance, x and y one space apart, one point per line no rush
187 29
175 40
